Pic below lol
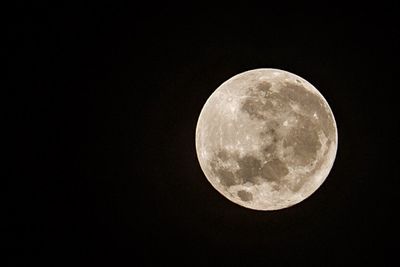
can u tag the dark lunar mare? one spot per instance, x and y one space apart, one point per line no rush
250 168
245 196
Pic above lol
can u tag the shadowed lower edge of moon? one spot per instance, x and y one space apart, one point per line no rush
253 170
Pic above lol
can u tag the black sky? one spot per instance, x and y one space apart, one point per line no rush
103 103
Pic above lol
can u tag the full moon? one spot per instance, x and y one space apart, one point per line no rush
266 139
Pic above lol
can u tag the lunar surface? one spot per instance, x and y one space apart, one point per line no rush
266 139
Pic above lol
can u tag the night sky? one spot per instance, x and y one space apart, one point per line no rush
103 103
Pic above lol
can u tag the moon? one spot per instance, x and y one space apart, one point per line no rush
266 139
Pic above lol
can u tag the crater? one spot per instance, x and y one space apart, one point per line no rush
274 170
244 195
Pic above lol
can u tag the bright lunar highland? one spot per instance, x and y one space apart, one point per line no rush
266 139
